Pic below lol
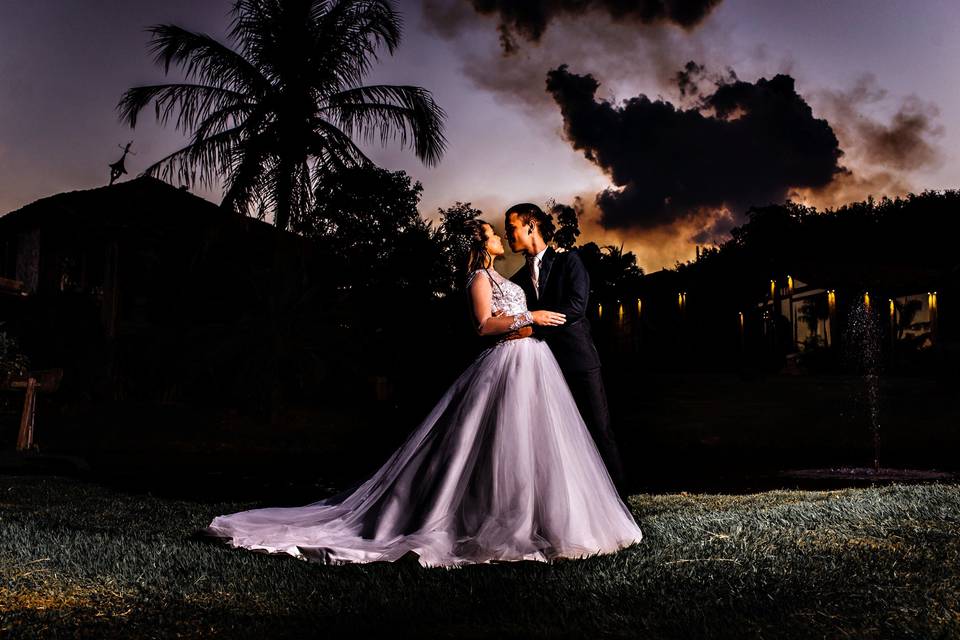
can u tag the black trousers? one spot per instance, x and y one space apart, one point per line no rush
591 398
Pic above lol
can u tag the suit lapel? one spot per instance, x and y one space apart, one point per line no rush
522 278
545 265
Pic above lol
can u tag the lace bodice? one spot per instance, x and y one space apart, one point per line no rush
507 296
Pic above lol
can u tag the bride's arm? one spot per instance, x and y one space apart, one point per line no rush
481 292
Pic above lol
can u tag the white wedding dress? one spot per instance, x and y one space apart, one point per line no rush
503 468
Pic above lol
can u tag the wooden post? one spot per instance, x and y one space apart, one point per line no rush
25 437
34 382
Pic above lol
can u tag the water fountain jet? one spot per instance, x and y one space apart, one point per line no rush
863 353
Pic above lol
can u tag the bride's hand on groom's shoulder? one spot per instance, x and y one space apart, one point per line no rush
545 318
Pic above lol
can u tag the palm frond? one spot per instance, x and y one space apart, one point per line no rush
231 116
334 149
276 35
245 178
302 199
251 28
204 57
200 161
391 111
193 102
349 34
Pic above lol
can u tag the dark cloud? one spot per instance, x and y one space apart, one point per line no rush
628 52
743 144
883 153
693 76
529 20
903 144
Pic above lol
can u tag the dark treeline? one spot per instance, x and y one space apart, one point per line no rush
363 305
401 317
887 249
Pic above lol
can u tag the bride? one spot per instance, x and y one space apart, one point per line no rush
503 468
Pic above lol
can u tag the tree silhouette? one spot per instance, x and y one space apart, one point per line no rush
362 216
568 222
614 275
276 115
450 235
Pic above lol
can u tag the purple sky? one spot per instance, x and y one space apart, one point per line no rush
64 65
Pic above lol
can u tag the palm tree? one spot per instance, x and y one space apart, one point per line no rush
278 112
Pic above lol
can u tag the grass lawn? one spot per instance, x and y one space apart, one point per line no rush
79 559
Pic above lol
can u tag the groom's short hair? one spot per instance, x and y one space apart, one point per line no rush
529 212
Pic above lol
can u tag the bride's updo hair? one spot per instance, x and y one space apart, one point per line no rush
476 241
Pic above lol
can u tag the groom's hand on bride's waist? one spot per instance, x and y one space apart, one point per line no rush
522 332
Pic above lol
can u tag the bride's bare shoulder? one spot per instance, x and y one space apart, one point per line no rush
490 272
476 273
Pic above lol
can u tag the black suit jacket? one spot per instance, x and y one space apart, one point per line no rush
564 286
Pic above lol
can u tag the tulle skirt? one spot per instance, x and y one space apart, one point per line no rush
503 468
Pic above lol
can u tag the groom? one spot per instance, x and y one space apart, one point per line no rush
559 282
